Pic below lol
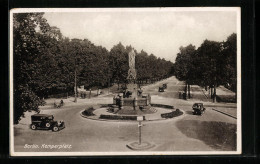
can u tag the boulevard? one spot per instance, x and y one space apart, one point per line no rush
213 131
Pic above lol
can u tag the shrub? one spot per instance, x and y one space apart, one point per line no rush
111 109
89 111
172 114
163 106
118 117
226 98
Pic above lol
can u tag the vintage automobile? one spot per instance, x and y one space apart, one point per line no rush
198 109
161 89
45 121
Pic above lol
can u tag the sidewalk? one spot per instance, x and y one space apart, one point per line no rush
100 99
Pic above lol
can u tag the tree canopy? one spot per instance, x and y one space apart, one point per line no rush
46 63
210 65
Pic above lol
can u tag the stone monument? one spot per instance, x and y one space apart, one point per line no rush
131 100
132 86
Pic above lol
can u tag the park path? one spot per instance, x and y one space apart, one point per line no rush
85 135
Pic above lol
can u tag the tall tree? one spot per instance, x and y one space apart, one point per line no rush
27 48
184 69
119 63
210 60
229 52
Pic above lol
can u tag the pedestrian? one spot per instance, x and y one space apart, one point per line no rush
89 93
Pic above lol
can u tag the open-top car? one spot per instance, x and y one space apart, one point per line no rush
45 121
198 109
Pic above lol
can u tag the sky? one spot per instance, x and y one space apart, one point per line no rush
160 32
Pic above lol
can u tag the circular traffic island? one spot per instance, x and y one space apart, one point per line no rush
111 112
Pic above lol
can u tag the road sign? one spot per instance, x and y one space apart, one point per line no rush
140 118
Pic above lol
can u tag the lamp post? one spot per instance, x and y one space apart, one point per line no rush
75 82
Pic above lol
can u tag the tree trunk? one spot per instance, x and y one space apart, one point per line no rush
211 92
186 92
236 95
215 94
89 94
189 91
75 87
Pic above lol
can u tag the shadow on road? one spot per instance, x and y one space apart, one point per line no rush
189 112
218 135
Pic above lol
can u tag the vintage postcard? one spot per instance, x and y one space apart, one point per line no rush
125 81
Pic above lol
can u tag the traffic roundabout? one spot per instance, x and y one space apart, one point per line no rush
154 113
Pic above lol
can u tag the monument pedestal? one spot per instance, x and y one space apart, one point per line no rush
143 146
132 88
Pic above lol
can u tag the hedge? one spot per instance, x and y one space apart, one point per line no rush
88 112
118 117
172 114
163 106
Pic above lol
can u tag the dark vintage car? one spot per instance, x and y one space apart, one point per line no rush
45 121
161 89
198 109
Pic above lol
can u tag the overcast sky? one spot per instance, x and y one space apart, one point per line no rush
160 33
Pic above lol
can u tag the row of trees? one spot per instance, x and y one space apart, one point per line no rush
46 63
211 65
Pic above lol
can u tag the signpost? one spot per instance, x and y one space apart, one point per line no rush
140 145
140 119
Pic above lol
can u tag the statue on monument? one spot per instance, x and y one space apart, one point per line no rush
133 97
131 72
131 58
131 86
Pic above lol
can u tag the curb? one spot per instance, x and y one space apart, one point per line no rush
224 113
133 121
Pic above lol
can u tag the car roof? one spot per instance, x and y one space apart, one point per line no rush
41 115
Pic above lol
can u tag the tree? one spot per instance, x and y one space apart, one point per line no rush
46 63
229 51
209 70
183 68
118 60
27 48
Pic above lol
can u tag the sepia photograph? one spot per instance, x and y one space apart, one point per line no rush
125 81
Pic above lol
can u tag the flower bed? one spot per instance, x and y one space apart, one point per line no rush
118 117
163 106
88 112
226 98
172 114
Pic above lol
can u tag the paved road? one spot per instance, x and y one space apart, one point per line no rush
211 132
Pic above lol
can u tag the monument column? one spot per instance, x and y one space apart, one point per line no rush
132 86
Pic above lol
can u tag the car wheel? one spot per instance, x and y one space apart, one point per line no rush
55 129
47 125
33 127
